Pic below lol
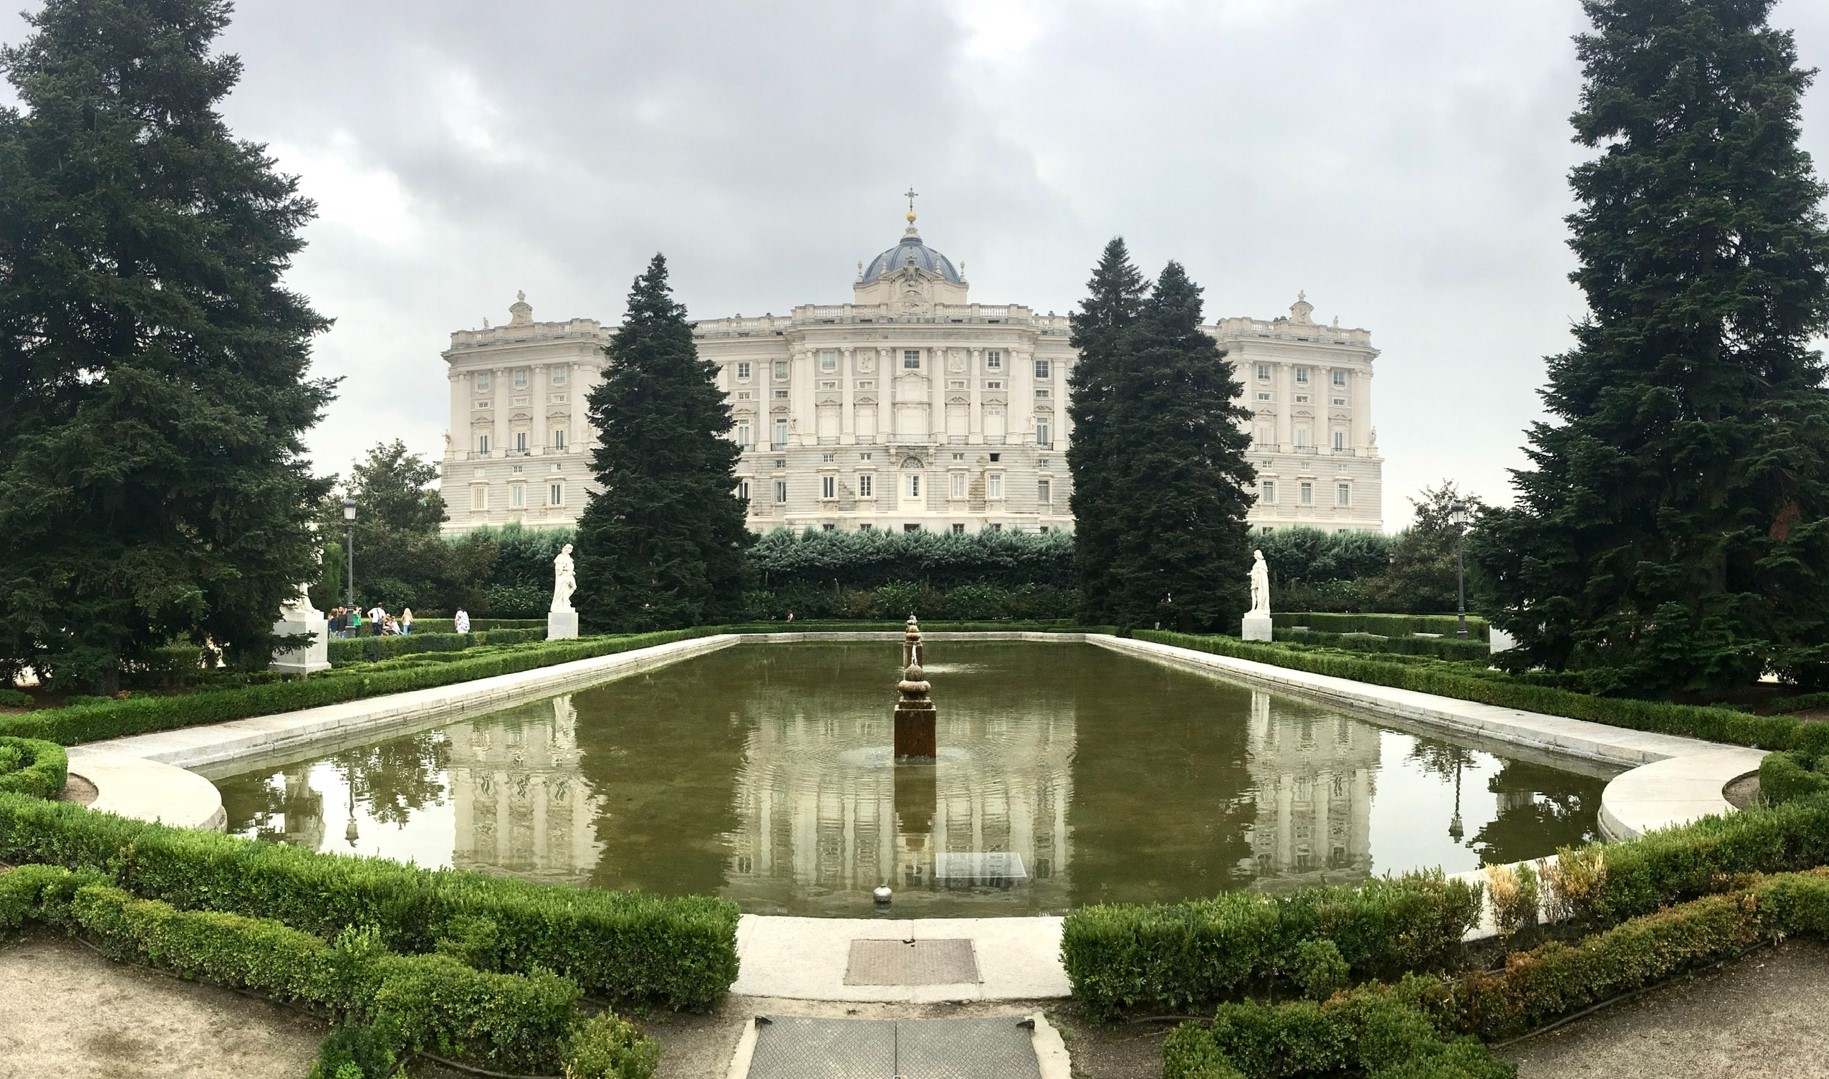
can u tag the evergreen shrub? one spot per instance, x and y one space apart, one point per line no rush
360 649
1384 625
108 718
15 698
32 767
1693 721
1787 777
625 946
1441 647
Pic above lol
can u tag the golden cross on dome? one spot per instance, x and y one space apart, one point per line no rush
911 194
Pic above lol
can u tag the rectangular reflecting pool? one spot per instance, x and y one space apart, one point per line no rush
1067 774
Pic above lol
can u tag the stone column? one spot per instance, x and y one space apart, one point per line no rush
1285 402
460 413
1022 401
1361 402
885 404
538 390
803 373
498 398
847 381
974 374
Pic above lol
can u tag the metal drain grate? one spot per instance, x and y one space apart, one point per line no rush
911 962
801 1048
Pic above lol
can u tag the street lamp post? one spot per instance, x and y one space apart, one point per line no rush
1458 514
349 547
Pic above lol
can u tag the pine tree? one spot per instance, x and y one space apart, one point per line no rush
153 384
1178 494
661 545
1114 299
1670 531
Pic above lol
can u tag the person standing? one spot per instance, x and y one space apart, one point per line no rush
406 620
462 622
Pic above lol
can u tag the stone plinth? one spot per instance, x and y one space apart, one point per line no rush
1497 640
313 657
561 625
1256 628
915 735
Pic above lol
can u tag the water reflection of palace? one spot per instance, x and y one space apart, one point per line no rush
1313 774
520 804
821 805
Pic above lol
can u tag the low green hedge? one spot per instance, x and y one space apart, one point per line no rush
1441 647
1409 1028
1713 724
831 625
1384 625
1129 958
1788 777
523 1023
34 768
371 649
1122 958
449 625
628 947
137 715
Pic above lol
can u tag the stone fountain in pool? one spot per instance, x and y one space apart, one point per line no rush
1053 775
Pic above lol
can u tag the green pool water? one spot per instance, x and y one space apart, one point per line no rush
1067 774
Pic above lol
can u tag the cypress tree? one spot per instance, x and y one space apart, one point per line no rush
661 544
1114 299
153 384
1178 496
1670 533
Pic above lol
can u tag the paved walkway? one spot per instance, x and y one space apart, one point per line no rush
72 1014
1760 1016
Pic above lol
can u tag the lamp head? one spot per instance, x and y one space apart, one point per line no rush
349 509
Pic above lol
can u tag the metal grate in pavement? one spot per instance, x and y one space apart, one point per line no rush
911 962
801 1048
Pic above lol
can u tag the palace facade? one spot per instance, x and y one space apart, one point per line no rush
908 408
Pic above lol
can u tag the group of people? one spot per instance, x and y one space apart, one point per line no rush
352 621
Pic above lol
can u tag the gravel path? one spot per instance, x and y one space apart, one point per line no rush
70 1013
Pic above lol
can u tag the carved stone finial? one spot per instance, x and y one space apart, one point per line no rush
520 313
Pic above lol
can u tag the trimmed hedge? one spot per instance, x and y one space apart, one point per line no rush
628 947
523 1023
34 768
371 649
1059 625
1129 958
477 625
138 715
1440 647
1712 724
1787 777
1167 956
1384 625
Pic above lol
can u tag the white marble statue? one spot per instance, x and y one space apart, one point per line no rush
1260 584
565 581
297 607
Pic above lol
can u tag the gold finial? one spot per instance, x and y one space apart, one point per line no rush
911 193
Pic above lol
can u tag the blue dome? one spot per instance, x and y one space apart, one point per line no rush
910 252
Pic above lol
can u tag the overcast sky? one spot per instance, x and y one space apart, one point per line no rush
1405 162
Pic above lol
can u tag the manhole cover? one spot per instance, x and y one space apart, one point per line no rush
802 1048
916 962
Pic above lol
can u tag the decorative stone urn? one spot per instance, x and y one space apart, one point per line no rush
915 736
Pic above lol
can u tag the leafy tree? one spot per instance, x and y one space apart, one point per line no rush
519 582
401 560
1114 300
153 385
1670 532
661 543
1423 574
1175 443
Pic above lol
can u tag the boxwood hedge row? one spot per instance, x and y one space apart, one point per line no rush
1385 625
1713 724
138 715
31 767
370 649
628 947
1786 777
1441 647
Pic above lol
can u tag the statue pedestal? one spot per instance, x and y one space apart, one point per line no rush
1256 628
915 734
561 625
309 659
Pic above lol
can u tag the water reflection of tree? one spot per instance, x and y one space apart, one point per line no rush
397 777
1540 808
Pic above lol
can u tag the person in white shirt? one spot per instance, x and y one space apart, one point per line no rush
462 622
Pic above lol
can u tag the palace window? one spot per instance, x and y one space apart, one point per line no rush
780 433
482 443
958 530
1339 377
483 403
479 497
1304 438
1266 492
780 491
993 385
1043 369
832 385
1302 375
558 376
743 370
993 360
958 481
743 490
866 527
911 528
745 437
520 442
911 359
866 485
1343 494
520 377
1041 431
555 494
828 527
1042 395
744 395
1301 398
558 438
913 484
517 495
1263 372
780 370
1044 491
828 360
482 381
1305 493
780 395
993 485
1263 395
1339 441
828 486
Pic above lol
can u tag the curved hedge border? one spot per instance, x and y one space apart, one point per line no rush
33 767
1787 777
138 715
525 1023
1151 958
629 947
1692 721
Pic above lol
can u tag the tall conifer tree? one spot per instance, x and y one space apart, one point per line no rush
1178 496
661 545
153 384
1114 298
1670 532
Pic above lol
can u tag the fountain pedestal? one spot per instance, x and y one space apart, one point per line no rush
914 713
